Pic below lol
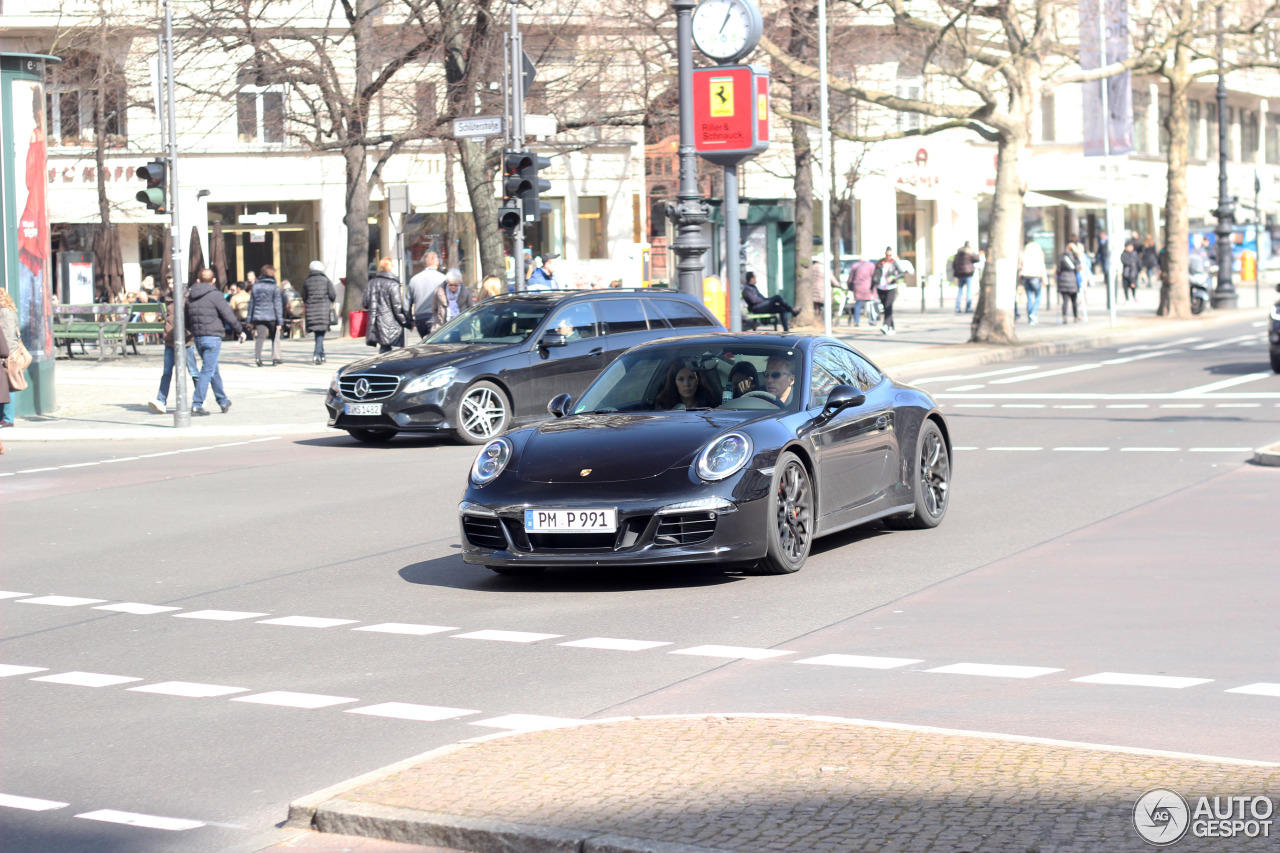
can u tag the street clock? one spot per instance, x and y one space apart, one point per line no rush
727 30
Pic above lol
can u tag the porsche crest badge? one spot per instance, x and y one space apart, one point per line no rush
584 472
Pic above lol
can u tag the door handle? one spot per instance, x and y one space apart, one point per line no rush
882 422
597 351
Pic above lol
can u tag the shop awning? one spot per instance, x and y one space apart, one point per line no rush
1067 198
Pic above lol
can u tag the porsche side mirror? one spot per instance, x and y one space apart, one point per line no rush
559 405
553 339
842 397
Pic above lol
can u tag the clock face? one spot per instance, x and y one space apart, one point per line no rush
725 29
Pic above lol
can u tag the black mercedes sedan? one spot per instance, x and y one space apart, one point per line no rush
498 363
738 449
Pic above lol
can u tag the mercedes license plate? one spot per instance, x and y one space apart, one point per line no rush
570 520
364 408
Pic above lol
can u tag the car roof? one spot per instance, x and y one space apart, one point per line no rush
604 292
722 339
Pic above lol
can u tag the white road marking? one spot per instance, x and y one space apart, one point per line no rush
61 600
218 615
614 644
36 470
1138 347
965 388
527 722
1023 406
1262 688
154 455
859 661
7 669
1150 449
406 711
145 821
120 459
1227 342
975 405
14 594
87 679
506 636
1015 448
136 608
1239 405
80 465
1225 383
963 376
190 689
1221 450
1044 374
1077 406
1127 406
963 447
1172 682
732 652
1130 358
288 699
31 804
1083 449
405 628
1182 405
307 622
994 670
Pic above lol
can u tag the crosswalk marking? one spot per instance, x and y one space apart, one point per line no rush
1044 374
219 615
407 711
994 670
289 699
1224 383
87 679
189 689
146 821
860 661
8 669
136 608
527 722
405 628
30 804
1261 688
61 600
614 644
1125 679
307 622
732 652
1227 342
506 636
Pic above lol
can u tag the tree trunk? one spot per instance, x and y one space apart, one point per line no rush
1175 291
484 206
357 222
993 315
803 94
451 247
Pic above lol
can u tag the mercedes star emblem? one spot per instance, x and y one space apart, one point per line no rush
362 387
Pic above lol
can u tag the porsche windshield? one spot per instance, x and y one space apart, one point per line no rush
670 378
494 322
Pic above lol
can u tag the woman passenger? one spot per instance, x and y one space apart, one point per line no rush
684 389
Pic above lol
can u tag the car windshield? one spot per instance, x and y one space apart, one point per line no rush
494 322
673 378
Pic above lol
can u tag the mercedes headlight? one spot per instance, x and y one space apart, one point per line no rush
491 461
724 456
333 384
433 380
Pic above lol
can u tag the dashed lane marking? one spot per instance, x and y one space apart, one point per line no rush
1170 682
31 804
307 622
7 669
288 699
14 594
136 608
1228 341
527 722
61 600
219 615
145 821
506 636
964 376
992 670
732 652
1262 688
860 661
407 711
405 628
614 644
189 689
87 679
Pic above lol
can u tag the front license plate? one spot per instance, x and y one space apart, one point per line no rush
570 520
364 408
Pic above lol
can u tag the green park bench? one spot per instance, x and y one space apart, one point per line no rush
139 326
105 325
756 320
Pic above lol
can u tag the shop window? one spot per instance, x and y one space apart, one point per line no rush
592 242
1273 139
1194 131
76 91
909 120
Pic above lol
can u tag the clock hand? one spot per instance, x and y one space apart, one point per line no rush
728 13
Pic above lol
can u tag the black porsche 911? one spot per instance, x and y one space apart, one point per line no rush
737 449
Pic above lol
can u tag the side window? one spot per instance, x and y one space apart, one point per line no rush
829 371
574 321
865 374
821 381
656 320
622 315
681 314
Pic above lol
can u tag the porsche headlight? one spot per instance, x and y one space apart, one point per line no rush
433 380
724 456
491 461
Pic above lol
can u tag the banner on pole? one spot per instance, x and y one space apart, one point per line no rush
1119 124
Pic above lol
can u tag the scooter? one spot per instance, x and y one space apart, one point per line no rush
1199 291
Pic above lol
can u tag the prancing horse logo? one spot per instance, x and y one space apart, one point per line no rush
584 472
362 387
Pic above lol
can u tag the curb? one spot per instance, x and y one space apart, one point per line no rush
1267 456
329 811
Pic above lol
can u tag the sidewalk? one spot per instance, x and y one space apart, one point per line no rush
108 399
696 784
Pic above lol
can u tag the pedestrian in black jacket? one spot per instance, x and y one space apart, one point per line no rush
266 314
209 317
757 304
1150 259
387 316
318 295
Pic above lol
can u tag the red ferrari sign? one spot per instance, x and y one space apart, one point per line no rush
730 113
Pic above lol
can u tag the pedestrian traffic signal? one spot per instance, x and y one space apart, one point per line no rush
520 182
154 173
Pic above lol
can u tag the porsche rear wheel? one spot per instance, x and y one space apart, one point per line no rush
483 413
791 518
931 479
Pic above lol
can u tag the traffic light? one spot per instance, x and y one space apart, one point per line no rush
520 182
154 173
510 214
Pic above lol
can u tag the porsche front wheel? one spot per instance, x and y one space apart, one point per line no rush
791 518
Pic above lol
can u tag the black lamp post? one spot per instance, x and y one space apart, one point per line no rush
690 210
1224 295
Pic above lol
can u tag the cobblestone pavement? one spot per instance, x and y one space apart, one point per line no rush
744 783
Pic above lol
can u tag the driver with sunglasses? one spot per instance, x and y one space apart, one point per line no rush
780 377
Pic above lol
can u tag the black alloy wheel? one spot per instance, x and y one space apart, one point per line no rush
931 479
483 413
372 436
790 519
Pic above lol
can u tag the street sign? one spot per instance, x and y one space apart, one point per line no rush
262 218
528 71
474 127
730 113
